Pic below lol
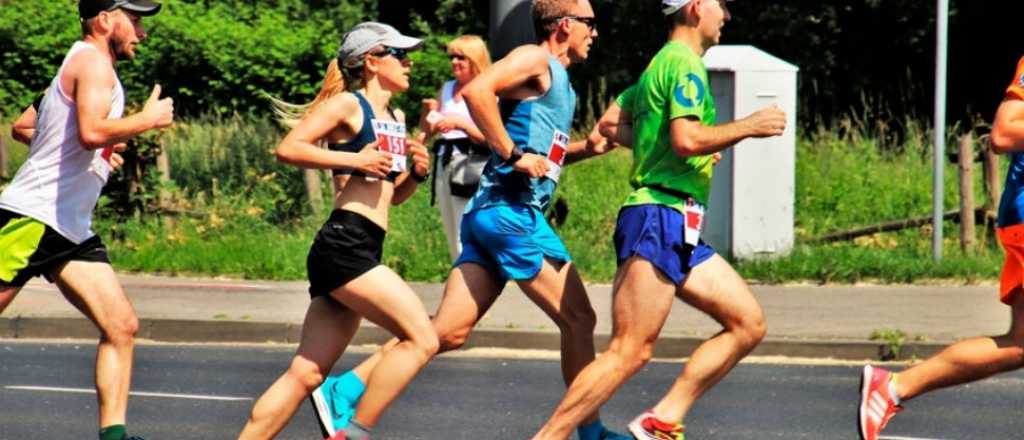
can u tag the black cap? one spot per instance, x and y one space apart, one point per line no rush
90 8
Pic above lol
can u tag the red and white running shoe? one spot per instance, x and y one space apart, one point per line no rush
647 427
877 406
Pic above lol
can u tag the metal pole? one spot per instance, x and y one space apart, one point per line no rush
511 26
941 37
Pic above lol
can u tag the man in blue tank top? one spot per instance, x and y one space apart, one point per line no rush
504 233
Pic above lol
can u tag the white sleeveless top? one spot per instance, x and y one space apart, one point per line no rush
449 106
61 181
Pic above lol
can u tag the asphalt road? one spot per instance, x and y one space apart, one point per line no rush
470 398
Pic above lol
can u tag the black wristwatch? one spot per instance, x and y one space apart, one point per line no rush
417 177
516 154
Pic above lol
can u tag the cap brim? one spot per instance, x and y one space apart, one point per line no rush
403 42
671 9
142 7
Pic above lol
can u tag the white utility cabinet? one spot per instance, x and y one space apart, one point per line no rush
750 210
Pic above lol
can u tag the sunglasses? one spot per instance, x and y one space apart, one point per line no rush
399 54
589 22
455 56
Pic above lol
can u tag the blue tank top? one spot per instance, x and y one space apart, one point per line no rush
1011 204
365 136
532 124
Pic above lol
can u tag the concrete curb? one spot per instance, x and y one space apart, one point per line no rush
668 346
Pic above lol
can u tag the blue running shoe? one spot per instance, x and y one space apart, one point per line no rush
607 434
334 402
597 431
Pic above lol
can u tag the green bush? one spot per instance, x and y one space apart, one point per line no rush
212 57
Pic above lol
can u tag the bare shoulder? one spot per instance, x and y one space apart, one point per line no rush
528 56
341 110
92 66
342 103
341 106
399 115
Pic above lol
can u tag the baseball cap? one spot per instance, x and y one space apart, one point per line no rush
90 8
368 35
669 7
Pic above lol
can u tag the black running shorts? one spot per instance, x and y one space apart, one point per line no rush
347 246
28 249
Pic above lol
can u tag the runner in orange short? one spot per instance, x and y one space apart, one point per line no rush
882 392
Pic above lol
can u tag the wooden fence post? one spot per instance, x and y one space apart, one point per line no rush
163 167
966 157
313 192
3 158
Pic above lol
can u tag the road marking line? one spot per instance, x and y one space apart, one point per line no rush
905 438
132 393
187 285
41 286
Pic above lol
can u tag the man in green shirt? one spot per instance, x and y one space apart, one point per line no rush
669 119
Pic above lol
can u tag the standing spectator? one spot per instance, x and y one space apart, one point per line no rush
461 148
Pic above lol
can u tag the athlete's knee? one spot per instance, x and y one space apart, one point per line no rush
121 330
306 373
631 355
578 320
754 330
749 329
427 345
452 339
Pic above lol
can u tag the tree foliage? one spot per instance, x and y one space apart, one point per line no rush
219 56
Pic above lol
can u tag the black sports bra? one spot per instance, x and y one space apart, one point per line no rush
364 137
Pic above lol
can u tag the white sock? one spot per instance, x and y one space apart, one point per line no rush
895 396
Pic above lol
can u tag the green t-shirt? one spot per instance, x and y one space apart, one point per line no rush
675 85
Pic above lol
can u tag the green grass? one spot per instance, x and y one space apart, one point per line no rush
846 263
16 151
845 182
235 238
249 217
242 249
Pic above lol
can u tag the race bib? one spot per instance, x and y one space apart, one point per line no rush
100 165
556 155
694 222
391 136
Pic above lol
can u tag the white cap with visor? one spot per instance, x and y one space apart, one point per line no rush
369 35
669 7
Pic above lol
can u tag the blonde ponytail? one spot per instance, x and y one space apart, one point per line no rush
290 114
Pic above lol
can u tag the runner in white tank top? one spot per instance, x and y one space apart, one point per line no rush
46 212
61 180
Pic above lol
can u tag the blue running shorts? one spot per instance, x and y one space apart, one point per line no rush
655 232
510 241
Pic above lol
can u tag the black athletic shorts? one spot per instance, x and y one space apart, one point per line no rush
347 246
29 248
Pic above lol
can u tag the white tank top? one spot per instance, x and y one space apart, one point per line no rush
61 181
449 106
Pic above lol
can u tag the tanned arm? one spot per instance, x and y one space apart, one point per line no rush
692 138
25 126
1008 127
520 67
299 146
94 80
